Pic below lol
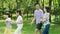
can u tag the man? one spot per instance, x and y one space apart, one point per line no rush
38 15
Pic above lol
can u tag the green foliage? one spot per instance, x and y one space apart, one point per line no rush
57 11
57 20
28 6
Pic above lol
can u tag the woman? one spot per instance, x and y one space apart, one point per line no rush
46 23
19 22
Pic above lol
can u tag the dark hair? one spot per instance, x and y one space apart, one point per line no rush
37 4
7 13
19 11
47 8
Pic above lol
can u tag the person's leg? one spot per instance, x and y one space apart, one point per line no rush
9 31
40 31
48 26
47 32
37 28
18 30
46 29
40 28
6 31
36 31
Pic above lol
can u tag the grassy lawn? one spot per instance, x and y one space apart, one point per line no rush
28 29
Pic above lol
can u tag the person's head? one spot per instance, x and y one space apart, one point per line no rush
8 15
18 12
37 6
46 9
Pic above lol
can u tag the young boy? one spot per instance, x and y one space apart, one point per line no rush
8 24
38 15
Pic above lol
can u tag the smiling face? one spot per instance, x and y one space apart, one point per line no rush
6 16
37 6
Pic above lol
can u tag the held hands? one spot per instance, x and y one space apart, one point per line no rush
43 20
13 22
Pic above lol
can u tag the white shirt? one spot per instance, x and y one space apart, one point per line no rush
46 16
8 22
38 14
19 19
8 19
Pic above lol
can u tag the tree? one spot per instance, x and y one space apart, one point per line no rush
50 2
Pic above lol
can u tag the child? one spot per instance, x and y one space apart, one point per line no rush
46 23
19 22
8 24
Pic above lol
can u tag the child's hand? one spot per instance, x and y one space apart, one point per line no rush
43 20
13 22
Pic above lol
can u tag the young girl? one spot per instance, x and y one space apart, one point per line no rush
8 24
19 22
46 23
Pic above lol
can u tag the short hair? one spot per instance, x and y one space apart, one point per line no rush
37 4
7 13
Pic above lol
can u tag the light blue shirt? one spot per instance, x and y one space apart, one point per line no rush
8 22
38 14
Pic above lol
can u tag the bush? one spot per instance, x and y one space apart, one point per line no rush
56 20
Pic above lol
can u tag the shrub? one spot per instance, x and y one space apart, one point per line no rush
56 20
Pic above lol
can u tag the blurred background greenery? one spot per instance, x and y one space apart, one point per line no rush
27 7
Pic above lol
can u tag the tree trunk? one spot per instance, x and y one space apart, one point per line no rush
2 6
43 5
18 4
50 1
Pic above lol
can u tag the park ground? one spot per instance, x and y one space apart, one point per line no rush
28 29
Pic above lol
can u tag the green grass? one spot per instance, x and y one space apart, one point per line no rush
27 29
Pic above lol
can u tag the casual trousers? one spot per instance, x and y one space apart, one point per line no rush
46 29
8 31
18 30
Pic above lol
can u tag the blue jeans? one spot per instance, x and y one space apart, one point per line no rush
46 29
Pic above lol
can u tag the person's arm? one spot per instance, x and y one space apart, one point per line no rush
13 22
33 20
47 16
42 16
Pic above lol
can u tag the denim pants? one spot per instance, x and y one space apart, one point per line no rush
46 29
